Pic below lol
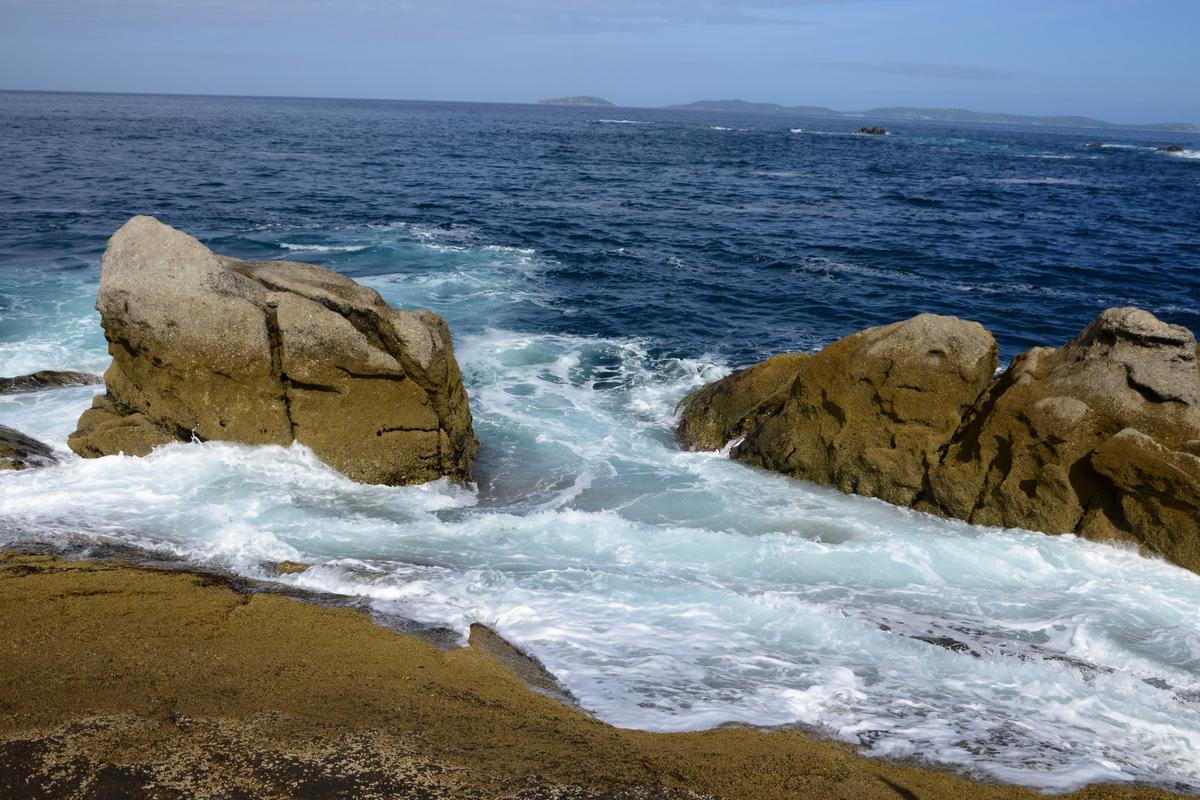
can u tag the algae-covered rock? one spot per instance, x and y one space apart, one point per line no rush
212 348
18 451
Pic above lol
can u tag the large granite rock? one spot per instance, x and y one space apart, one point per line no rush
867 414
18 451
208 347
1100 437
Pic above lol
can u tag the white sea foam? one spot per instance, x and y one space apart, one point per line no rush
622 122
324 248
671 590
1045 181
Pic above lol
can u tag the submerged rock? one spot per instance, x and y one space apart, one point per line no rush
208 347
18 451
46 379
1100 437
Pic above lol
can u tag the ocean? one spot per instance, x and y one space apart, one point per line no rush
596 265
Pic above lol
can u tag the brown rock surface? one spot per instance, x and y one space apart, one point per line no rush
124 683
46 379
18 451
724 410
867 414
208 347
1100 437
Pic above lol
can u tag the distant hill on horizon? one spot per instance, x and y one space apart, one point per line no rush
581 100
934 115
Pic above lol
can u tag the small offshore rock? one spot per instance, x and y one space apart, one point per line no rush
46 379
1171 148
18 451
873 131
206 347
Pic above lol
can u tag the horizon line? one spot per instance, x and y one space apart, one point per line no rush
672 107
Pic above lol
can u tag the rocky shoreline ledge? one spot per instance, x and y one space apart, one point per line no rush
125 682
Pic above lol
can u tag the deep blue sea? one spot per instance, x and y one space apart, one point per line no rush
595 265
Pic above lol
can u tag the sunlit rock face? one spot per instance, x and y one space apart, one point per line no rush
1100 437
211 348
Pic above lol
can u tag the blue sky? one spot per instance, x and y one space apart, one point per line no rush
1122 60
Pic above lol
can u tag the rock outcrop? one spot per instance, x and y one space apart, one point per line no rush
206 347
873 131
867 414
46 379
18 451
1100 437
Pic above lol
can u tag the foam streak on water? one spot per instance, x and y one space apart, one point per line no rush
667 590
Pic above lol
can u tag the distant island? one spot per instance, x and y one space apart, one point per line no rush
933 115
581 100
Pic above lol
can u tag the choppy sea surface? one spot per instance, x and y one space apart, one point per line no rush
595 265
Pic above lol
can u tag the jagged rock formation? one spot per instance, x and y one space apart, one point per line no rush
45 379
1100 437
209 347
18 451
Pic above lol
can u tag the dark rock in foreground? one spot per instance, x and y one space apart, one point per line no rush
46 379
208 347
1100 437
18 451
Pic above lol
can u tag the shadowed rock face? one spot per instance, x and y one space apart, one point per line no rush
207 347
18 451
45 379
1100 437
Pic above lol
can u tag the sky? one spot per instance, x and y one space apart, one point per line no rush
1121 60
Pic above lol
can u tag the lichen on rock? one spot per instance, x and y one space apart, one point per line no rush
207 347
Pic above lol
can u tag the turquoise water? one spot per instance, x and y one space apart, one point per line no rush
667 590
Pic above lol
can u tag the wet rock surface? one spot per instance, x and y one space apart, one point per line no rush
18 451
46 379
